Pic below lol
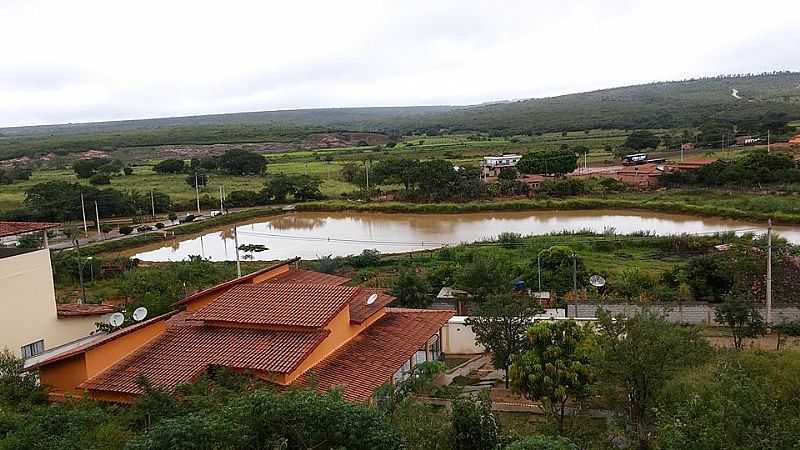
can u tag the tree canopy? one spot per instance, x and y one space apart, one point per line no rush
548 162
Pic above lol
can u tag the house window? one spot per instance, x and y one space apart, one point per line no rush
420 356
33 349
435 348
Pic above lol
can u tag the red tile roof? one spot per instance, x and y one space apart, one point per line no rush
14 228
186 349
370 359
308 277
234 282
86 309
360 310
272 304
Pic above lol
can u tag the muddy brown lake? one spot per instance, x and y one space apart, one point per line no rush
311 235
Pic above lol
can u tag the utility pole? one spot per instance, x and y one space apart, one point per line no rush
769 273
152 204
197 192
221 207
236 243
366 168
83 211
768 136
97 219
574 274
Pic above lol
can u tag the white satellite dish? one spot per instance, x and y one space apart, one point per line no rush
139 313
116 319
372 299
597 281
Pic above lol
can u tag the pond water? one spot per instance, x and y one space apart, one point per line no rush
311 235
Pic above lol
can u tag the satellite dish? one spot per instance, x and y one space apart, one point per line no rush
597 281
116 319
372 299
139 313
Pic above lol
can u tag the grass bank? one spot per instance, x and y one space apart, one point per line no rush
783 209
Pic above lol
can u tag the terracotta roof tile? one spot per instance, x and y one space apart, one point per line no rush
308 277
360 310
186 349
370 359
14 228
86 309
272 304
234 282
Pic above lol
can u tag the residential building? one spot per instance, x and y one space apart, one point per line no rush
491 166
644 176
30 320
282 324
746 140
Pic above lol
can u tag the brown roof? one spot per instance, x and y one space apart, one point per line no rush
86 309
308 277
360 310
187 348
14 228
234 282
644 169
370 359
272 304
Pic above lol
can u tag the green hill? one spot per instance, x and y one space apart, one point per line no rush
655 105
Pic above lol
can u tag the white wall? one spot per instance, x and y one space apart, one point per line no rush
459 339
28 305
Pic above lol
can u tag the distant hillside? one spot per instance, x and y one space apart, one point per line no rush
655 105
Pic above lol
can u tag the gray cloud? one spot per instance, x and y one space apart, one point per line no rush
95 60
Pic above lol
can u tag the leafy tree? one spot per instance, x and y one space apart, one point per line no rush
558 266
85 168
100 179
500 323
170 166
242 162
745 401
125 230
16 385
484 276
306 188
555 368
740 314
238 199
349 171
548 162
127 170
637 356
508 174
474 424
278 187
403 171
172 216
412 290
641 139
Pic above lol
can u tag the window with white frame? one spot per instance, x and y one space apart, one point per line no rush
32 349
435 348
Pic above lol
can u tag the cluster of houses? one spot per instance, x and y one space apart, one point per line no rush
282 324
643 175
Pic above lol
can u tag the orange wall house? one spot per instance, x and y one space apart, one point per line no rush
280 323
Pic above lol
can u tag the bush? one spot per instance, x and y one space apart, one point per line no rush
125 230
100 179
160 225
242 199
170 166
365 259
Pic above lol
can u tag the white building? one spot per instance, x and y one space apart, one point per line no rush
492 165
30 320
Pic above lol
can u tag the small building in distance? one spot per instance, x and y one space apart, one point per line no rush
31 322
491 166
644 176
746 140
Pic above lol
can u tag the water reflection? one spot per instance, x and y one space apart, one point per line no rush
312 235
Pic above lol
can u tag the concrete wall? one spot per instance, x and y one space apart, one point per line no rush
690 313
28 305
459 339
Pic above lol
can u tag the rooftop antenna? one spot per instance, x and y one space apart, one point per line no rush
597 281
139 313
116 319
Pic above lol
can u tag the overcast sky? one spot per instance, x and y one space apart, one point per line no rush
87 60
